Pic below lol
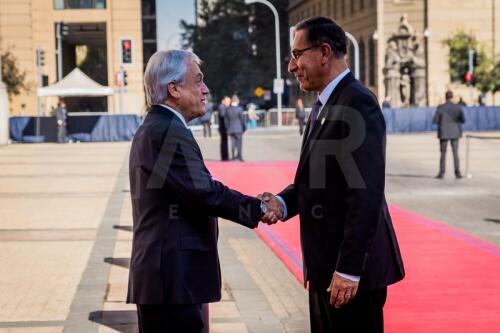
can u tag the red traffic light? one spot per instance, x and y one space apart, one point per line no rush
468 77
127 44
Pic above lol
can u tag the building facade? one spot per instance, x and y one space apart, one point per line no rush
93 35
416 29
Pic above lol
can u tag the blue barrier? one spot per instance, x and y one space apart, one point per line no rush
410 120
85 128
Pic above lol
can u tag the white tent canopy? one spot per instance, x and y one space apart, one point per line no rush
75 84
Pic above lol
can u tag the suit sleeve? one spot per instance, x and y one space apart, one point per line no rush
437 117
179 168
364 203
289 195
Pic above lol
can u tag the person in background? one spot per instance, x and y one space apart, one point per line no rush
224 151
235 125
300 114
461 101
386 104
449 118
62 117
252 116
206 119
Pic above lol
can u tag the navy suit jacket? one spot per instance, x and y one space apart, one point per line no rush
338 193
175 202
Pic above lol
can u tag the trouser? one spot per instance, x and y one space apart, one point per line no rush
364 313
207 130
224 151
454 148
164 318
61 134
236 143
301 125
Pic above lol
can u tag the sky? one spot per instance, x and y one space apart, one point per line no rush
168 15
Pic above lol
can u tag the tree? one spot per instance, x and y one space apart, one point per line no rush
487 76
13 78
459 44
236 43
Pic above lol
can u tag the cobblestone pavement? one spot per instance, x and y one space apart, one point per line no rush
65 232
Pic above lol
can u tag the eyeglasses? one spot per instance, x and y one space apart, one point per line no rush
297 53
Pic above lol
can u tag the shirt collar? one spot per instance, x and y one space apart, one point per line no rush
327 92
176 113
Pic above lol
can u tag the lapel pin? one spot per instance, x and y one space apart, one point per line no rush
322 121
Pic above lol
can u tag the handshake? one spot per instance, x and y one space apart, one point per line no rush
275 210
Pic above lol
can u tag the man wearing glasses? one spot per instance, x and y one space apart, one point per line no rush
349 246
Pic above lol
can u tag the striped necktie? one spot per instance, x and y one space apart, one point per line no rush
314 115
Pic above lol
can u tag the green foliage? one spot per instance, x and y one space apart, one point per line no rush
459 44
223 40
13 78
487 76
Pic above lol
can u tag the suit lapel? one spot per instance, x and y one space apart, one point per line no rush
332 100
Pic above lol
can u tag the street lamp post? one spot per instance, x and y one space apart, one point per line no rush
356 53
279 81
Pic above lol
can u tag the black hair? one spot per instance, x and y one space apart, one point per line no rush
449 95
324 30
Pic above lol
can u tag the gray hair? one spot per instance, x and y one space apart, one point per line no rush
163 68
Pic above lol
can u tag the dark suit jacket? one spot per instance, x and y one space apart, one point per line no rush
449 117
338 193
222 123
175 202
235 120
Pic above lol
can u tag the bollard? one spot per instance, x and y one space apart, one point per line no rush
4 114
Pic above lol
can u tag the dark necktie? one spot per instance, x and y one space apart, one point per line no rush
314 115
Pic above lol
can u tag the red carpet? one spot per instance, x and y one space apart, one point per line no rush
453 279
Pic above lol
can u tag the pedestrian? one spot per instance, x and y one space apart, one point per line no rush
461 101
253 117
224 151
349 246
61 117
235 125
386 104
300 114
174 268
206 119
449 118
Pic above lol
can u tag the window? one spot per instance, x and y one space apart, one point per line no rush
361 4
371 62
351 56
352 6
342 8
79 4
362 67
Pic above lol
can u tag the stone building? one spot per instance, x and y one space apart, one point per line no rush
93 35
402 54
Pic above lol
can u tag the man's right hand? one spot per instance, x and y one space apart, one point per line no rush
275 209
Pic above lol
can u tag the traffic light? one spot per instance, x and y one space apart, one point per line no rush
40 57
125 82
468 77
126 46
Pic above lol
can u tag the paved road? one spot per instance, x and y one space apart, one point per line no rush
65 231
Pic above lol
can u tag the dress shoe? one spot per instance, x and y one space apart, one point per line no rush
458 176
439 176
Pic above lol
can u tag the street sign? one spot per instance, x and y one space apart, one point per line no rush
278 86
259 91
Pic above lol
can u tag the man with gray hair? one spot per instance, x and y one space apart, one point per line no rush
174 267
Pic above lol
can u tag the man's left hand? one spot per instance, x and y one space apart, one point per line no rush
341 290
